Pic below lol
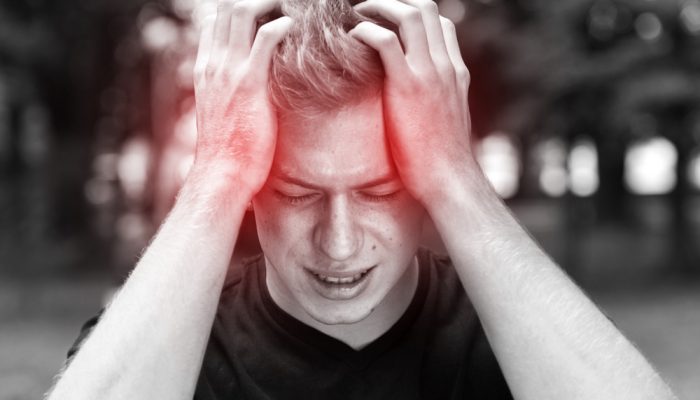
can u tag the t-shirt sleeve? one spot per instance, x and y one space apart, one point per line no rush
84 333
485 370
480 376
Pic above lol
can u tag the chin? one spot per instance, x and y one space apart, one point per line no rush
344 315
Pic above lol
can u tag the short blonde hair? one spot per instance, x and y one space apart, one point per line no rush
319 67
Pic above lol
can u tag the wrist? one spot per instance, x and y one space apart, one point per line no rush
215 189
466 191
220 179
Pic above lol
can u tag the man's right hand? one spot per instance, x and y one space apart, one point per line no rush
170 299
236 122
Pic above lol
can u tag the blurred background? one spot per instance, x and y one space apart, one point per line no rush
587 114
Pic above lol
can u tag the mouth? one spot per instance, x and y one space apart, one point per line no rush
338 280
340 287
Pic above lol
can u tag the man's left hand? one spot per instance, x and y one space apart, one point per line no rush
425 95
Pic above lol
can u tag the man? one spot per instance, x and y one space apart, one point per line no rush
363 135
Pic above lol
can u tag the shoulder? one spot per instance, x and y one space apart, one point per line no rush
452 319
441 263
456 339
85 331
242 277
445 285
242 298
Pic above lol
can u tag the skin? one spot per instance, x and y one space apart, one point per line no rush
550 340
165 304
334 203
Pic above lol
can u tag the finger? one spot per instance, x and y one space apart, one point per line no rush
268 37
387 45
222 27
206 8
410 23
461 71
206 40
244 17
449 32
433 29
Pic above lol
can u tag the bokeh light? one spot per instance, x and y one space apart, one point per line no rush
500 161
553 175
650 166
583 168
648 26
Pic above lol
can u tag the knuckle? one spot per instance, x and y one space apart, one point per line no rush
387 39
430 7
223 6
245 70
247 84
413 16
198 72
245 75
429 75
210 71
411 87
241 9
266 32
448 25
463 75
445 69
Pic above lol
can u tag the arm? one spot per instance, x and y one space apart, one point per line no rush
150 341
550 340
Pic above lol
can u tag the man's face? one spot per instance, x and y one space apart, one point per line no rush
336 225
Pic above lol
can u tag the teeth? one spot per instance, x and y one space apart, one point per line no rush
350 279
333 279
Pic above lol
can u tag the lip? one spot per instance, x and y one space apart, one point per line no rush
340 291
339 274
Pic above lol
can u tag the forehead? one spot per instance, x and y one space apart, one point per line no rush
334 148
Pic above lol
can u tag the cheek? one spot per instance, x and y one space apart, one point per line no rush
400 225
267 219
278 227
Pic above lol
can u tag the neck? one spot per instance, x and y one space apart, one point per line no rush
382 318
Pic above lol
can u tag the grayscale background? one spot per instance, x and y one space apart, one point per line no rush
586 115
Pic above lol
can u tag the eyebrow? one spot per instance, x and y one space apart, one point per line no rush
386 178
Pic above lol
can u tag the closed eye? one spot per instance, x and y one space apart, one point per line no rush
380 197
291 199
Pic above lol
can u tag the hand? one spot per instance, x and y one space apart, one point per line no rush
236 122
425 94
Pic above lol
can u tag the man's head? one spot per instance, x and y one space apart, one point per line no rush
338 229
319 67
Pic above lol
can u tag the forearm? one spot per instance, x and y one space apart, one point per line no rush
151 339
550 339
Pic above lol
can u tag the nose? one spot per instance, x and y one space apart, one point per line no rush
337 234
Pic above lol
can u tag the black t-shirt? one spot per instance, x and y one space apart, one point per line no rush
436 350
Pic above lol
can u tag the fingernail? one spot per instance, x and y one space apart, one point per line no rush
288 20
360 4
